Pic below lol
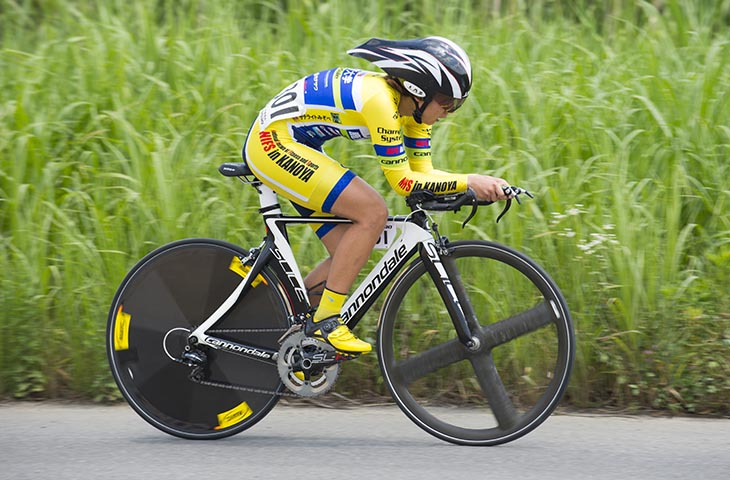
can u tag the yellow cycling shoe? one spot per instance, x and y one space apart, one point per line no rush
331 330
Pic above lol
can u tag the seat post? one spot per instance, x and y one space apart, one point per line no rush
269 201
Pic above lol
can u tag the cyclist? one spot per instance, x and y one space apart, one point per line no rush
425 80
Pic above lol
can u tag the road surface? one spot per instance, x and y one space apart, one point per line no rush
81 442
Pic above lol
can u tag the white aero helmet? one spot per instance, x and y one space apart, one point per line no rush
426 66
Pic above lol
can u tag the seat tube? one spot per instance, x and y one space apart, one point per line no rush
442 269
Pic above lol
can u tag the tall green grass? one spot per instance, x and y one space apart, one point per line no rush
114 116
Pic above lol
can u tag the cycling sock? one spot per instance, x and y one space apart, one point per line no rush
330 305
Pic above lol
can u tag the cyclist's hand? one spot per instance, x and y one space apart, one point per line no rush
488 188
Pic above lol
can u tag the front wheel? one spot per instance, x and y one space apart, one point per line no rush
512 382
160 302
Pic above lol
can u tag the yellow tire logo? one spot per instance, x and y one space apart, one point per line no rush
121 330
233 416
243 270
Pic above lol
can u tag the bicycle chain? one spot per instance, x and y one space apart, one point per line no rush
248 330
244 388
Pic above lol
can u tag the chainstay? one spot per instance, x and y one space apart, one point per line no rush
247 388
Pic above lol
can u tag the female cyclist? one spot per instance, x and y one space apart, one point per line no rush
425 80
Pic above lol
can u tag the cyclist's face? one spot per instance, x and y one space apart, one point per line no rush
434 112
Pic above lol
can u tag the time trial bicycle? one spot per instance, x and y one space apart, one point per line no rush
475 341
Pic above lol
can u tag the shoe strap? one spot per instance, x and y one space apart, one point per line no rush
326 326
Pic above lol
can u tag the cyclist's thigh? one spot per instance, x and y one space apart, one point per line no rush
304 175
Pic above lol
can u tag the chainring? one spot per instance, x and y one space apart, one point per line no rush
298 369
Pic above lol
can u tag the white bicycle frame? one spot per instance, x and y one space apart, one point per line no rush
401 238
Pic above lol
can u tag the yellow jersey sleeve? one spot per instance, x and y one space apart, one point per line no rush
402 146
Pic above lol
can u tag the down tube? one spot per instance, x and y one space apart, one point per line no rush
382 274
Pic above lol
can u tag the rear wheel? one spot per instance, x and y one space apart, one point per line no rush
509 385
162 299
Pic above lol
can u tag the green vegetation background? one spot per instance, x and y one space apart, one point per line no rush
114 116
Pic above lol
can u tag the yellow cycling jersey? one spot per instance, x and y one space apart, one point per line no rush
360 105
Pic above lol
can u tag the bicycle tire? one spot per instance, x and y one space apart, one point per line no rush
164 297
513 382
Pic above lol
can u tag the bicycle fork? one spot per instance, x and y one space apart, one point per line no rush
442 268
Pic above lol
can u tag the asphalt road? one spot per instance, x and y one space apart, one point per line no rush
80 442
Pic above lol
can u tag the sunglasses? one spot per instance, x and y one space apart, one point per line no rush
449 104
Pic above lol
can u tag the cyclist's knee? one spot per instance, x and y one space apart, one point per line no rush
373 215
363 205
378 212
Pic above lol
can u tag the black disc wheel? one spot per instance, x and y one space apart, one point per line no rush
164 298
506 386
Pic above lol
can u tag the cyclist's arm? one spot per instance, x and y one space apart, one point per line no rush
404 172
418 147
417 138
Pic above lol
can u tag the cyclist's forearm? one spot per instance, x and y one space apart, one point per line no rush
404 181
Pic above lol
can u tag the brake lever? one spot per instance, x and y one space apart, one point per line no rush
515 193
474 206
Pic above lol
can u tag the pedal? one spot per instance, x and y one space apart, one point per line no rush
345 356
333 356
